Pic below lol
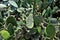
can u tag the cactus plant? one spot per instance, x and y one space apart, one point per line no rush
10 29
50 31
1 20
11 20
30 21
5 34
1 26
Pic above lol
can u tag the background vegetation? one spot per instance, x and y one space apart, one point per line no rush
29 19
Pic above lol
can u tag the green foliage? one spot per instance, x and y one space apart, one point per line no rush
43 13
10 29
1 26
13 3
48 11
5 34
54 9
37 20
50 31
1 20
39 29
11 20
29 20
2 6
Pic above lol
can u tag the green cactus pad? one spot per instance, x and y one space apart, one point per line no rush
11 20
1 26
10 29
1 20
5 34
30 21
50 31
39 29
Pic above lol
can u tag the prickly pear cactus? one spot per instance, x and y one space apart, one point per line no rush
11 20
1 26
1 20
5 34
30 21
10 29
50 31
